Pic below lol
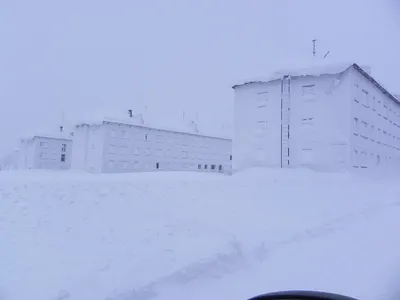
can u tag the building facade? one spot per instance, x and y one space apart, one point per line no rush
120 146
329 118
45 152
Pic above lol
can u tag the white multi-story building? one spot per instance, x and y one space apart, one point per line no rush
128 145
45 152
326 118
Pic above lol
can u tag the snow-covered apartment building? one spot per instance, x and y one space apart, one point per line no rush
127 144
326 118
45 151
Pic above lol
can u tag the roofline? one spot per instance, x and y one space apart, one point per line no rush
156 128
376 83
51 138
355 66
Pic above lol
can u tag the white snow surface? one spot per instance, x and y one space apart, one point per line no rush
72 235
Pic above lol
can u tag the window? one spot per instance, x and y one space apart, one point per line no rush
146 137
63 147
205 167
262 99
379 137
212 167
199 166
184 154
372 133
307 121
262 125
124 133
63 157
356 93
356 128
308 90
44 144
113 133
230 157
355 159
373 103
124 149
43 155
220 168
157 165
365 98
364 129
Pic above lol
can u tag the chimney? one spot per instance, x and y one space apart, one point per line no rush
130 113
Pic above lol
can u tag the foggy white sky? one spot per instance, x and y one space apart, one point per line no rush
172 55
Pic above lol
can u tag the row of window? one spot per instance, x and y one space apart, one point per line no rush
123 149
367 131
162 137
45 145
125 165
363 159
389 111
45 156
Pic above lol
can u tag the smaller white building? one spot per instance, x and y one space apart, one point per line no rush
46 152
127 144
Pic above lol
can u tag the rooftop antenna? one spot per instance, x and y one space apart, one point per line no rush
314 52
327 53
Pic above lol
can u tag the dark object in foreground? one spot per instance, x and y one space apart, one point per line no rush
301 295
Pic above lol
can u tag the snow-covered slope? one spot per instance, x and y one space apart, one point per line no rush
83 236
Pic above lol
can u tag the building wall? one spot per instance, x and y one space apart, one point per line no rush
79 151
375 138
26 156
319 127
257 111
50 153
130 148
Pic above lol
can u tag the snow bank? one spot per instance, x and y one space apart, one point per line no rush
71 235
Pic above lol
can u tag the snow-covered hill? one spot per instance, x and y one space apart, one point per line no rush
126 236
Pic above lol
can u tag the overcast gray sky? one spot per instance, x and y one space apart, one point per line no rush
172 55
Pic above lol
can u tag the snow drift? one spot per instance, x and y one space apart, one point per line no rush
80 236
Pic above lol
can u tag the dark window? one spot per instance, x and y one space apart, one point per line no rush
212 167
220 168
64 148
157 165
205 167
199 166
63 157
230 157
145 137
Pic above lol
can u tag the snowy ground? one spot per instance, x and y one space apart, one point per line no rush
139 236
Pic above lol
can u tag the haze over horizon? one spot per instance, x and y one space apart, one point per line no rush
172 56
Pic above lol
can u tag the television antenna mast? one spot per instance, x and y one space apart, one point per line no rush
314 46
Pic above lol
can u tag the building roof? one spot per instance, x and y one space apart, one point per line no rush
319 70
55 135
161 123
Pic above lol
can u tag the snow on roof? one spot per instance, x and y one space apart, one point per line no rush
65 135
313 69
318 69
157 122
